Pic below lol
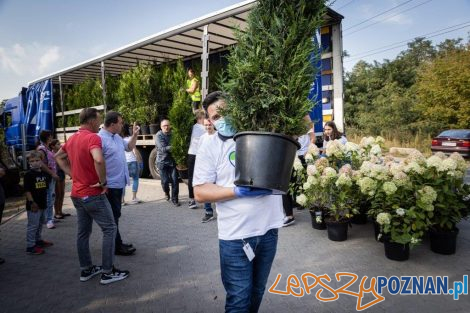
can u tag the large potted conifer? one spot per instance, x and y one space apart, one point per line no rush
270 73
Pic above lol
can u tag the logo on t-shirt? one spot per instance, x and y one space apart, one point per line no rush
231 158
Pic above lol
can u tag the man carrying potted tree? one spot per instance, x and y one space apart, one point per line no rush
165 162
248 218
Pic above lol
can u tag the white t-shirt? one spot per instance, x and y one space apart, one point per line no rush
197 132
202 138
237 218
130 156
304 141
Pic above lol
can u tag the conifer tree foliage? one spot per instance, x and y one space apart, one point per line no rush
181 117
270 71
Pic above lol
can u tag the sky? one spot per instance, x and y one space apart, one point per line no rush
40 37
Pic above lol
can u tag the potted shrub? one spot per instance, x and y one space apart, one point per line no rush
182 120
445 175
270 73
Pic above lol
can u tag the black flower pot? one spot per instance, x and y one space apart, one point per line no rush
153 129
144 129
359 219
337 230
315 224
264 160
183 173
443 242
396 251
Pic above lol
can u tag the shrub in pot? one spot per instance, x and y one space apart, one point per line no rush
181 119
270 73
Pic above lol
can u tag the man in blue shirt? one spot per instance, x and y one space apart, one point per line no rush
117 175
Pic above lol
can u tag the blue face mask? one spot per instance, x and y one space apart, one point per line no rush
224 127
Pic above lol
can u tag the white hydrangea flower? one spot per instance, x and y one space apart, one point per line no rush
309 158
414 167
383 218
306 186
346 169
321 163
395 167
343 180
313 150
379 140
400 212
351 147
441 155
389 188
301 199
335 148
375 150
367 141
414 240
427 195
312 180
449 164
298 164
436 162
366 168
367 185
400 179
312 170
329 172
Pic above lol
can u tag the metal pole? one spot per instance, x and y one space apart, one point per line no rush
23 146
103 86
62 108
205 62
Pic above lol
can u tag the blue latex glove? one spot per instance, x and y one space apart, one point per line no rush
241 191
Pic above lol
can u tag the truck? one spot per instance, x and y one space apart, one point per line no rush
23 117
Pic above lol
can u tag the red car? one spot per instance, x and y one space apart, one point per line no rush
452 140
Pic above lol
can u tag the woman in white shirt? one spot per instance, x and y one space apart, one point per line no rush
133 167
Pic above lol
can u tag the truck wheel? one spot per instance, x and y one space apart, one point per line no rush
154 171
142 157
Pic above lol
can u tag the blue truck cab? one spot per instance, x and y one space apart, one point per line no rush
32 110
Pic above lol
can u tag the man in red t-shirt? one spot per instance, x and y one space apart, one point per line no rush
81 157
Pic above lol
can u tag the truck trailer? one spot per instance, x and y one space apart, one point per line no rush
34 109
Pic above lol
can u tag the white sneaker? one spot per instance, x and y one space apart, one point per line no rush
135 201
50 225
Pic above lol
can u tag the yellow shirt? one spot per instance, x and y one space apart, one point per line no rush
196 95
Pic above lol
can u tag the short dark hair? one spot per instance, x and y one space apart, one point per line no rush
87 115
212 98
125 131
53 143
112 117
44 135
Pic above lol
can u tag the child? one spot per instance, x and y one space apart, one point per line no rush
36 183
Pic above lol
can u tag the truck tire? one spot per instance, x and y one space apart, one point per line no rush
142 158
154 171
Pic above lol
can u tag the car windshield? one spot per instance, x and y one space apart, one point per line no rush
456 133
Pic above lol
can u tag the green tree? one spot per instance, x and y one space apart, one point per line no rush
443 91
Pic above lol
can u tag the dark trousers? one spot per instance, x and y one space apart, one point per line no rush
169 176
2 202
114 196
191 163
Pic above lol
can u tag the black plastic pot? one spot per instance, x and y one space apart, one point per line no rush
443 242
144 129
337 231
183 173
359 219
264 160
153 129
396 251
315 224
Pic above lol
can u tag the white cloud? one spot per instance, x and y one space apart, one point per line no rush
399 19
31 59
50 57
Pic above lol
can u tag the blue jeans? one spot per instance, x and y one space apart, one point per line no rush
208 208
98 209
134 174
34 228
50 201
245 281
169 176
